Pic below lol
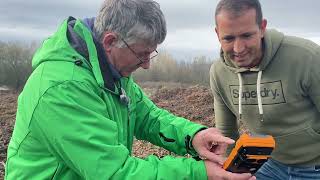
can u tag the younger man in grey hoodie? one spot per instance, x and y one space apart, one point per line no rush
272 83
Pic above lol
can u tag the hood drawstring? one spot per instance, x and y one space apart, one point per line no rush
258 94
240 94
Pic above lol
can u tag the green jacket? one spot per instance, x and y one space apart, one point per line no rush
290 97
71 123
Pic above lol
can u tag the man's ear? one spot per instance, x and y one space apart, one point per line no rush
217 32
108 41
263 26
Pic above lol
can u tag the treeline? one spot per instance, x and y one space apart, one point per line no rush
166 69
15 67
15 63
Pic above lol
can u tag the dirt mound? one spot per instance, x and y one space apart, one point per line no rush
193 103
8 108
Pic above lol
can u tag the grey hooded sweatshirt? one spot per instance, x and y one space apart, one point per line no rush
280 97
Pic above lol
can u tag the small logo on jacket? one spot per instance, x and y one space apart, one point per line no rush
271 93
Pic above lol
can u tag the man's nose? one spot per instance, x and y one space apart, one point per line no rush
238 46
145 65
147 58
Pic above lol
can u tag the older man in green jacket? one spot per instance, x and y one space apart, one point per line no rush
80 109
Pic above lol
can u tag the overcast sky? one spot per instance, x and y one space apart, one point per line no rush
190 23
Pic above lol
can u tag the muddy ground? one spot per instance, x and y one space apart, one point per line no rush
8 108
191 102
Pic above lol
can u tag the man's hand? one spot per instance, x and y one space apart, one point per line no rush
211 144
216 172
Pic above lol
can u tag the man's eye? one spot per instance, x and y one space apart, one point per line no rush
246 35
228 39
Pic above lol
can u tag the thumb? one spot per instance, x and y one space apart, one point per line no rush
241 176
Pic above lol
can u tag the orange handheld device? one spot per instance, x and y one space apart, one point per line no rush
250 152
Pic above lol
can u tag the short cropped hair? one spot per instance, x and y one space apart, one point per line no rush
133 20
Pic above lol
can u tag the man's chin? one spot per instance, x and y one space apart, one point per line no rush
241 64
126 74
128 71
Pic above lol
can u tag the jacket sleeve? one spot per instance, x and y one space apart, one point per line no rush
162 128
71 122
225 120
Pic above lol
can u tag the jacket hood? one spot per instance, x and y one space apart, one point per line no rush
271 44
58 47
74 42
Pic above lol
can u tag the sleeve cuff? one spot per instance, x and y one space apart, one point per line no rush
188 141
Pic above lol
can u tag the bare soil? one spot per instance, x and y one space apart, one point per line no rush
192 102
8 106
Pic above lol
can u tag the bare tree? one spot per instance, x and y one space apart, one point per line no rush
166 68
15 63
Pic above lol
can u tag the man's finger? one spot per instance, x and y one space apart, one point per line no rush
243 176
221 139
213 157
219 149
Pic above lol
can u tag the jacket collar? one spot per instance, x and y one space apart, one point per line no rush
109 74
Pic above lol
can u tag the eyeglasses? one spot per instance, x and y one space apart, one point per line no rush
144 58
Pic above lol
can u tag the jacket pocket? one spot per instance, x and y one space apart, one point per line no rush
165 138
313 133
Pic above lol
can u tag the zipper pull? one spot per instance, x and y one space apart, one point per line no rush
124 99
